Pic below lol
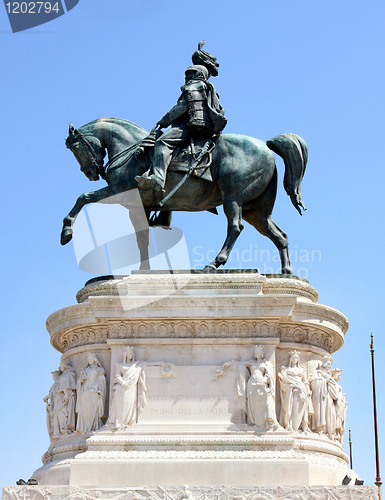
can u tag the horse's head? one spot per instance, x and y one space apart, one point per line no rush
88 151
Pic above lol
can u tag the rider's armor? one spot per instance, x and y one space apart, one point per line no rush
195 94
197 111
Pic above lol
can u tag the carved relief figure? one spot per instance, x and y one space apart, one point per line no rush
49 404
67 385
340 406
129 391
60 402
91 395
186 494
323 394
296 404
260 390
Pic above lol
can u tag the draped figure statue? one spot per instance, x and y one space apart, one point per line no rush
323 395
340 406
60 402
296 404
49 402
328 400
259 390
91 395
129 390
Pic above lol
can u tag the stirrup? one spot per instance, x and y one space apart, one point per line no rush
148 182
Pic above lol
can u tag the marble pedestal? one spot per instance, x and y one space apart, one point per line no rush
193 335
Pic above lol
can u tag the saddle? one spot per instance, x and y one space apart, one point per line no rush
182 158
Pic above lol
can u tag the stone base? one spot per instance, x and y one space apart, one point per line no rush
243 456
191 493
195 335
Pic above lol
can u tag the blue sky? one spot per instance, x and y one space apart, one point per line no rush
312 68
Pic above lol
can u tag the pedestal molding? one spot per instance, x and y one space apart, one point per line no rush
197 328
191 282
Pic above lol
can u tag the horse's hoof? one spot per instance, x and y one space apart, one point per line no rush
210 267
66 236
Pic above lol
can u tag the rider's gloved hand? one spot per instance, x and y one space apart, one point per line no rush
157 128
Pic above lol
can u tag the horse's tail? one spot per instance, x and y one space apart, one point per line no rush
293 150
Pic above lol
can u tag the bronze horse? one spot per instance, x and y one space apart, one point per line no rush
244 181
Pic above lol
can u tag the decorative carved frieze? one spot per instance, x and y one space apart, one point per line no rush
196 328
192 492
75 337
217 328
310 335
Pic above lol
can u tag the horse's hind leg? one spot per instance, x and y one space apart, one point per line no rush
266 226
259 216
233 212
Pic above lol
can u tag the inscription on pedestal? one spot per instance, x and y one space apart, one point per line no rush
193 393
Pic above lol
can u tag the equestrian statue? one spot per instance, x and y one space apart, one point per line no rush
192 166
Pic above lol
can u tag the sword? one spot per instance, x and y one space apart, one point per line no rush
207 148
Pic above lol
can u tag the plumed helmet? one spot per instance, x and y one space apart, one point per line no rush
200 57
198 71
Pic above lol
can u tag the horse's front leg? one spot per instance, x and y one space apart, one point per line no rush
139 220
84 199
233 212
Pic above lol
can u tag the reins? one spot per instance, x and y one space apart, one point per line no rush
107 167
103 170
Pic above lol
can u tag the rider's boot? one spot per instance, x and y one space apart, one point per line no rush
147 181
157 180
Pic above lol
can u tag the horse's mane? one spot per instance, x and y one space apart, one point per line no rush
126 124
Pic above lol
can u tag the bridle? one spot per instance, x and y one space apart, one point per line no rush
101 170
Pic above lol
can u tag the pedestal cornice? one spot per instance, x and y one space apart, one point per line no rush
243 305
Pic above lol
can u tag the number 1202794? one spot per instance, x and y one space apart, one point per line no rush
32 7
